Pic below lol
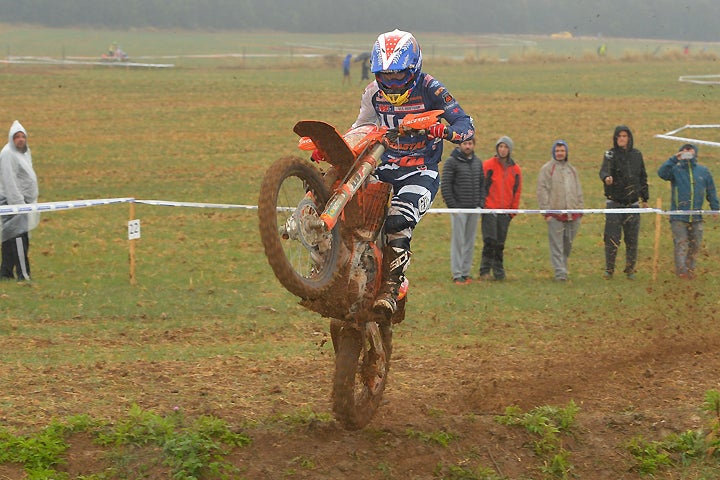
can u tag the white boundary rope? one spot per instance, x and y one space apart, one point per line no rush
134 224
672 136
69 205
106 63
541 212
700 79
166 203
585 211
57 206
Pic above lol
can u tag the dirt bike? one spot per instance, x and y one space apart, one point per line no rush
323 237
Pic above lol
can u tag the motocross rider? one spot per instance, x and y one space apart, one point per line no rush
411 163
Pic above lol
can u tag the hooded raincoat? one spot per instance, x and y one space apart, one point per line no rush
691 183
503 184
627 168
558 187
503 179
628 188
18 186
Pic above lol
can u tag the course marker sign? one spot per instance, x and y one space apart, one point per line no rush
133 229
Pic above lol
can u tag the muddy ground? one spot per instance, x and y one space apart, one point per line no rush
649 384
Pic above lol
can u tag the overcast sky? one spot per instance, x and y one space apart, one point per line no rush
669 19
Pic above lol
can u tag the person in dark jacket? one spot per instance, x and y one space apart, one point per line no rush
691 184
625 182
463 186
503 184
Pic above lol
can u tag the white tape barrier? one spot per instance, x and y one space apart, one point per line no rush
673 135
68 205
165 203
104 63
700 79
564 212
56 206
542 212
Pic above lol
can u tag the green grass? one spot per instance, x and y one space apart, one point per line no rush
257 49
206 135
188 449
205 132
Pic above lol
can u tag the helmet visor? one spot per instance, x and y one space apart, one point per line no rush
395 81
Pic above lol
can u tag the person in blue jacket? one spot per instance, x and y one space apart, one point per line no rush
346 69
410 163
691 184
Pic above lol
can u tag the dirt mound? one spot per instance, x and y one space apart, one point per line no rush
623 388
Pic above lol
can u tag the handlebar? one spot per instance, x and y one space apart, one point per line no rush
415 124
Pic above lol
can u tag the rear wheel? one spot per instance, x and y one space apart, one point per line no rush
362 364
300 250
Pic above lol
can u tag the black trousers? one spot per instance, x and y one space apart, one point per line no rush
494 232
15 262
618 225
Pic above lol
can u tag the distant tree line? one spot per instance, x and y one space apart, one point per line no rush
687 20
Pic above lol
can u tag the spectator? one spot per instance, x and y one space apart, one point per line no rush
503 184
558 188
365 69
691 183
463 186
625 183
18 186
346 69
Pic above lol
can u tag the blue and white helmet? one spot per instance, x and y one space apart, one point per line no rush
396 62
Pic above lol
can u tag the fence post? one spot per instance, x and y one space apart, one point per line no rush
132 248
658 226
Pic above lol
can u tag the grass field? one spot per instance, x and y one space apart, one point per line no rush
208 325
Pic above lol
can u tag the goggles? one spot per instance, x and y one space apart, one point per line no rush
395 81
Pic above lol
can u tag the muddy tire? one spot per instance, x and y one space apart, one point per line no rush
292 197
361 373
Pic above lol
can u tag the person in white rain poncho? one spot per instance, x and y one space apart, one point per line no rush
18 186
558 188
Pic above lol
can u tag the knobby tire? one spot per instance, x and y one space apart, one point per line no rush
288 258
354 401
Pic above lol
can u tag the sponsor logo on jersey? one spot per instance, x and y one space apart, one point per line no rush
424 202
410 108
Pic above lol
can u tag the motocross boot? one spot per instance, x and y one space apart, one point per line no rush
395 262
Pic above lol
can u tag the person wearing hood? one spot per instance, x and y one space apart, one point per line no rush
18 186
691 183
463 186
503 184
625 183
558 188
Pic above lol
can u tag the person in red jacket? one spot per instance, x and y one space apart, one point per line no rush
503 184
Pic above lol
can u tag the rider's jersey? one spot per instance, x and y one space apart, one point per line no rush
418 150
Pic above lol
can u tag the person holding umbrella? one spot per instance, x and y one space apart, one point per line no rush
365 66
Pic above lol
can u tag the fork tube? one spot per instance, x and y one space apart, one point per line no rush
346 191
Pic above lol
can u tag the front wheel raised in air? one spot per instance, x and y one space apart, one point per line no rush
302 254
362 363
